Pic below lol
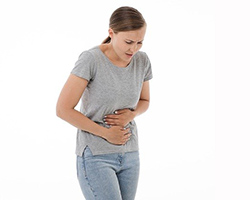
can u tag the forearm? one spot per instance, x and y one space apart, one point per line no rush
81 122
141 107
124 116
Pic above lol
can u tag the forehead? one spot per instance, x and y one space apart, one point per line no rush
136 35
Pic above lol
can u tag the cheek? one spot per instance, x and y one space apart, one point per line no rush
139 48
123 47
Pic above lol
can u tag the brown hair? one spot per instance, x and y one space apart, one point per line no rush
125 19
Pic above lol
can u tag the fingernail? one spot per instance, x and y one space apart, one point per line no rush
116 112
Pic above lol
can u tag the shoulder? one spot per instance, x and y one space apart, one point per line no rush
85 66
141 55
89 54
144 65
142 58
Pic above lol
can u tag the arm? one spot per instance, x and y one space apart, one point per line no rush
65 109
124 116
143 103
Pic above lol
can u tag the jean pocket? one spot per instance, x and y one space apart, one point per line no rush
87 153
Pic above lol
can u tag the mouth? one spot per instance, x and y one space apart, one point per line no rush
129 54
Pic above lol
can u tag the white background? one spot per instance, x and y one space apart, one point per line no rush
193 139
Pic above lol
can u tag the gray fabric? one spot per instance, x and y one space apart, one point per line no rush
109 88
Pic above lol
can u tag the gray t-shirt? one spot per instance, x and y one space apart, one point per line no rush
109 88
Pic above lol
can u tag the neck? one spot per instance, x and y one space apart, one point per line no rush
109 51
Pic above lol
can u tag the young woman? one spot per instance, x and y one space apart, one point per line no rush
112 81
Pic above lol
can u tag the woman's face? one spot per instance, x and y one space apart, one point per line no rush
127 44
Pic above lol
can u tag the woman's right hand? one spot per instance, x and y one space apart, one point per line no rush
117 135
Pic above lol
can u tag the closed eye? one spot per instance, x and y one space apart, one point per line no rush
131 42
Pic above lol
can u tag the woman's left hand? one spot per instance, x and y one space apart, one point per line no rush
120 118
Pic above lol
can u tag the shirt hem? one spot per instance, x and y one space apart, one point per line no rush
79 153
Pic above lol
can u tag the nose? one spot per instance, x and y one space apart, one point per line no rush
134 48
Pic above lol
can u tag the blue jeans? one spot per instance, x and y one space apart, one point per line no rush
109 176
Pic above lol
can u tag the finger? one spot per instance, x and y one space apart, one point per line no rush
127 137
111 122
118 112
126 131
111 117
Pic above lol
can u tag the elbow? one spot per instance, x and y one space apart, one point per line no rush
63 112
60 111
146 101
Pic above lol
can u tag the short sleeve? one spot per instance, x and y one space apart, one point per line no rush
85 66
148 70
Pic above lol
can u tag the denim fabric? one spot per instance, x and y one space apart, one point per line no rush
108 176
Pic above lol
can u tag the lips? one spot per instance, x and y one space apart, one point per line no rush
129 54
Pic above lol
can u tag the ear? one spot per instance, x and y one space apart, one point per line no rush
111 33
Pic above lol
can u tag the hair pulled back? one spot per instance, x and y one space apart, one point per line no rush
125 19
